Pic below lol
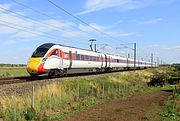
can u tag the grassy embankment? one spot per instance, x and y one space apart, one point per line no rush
61 99
13 71
171 111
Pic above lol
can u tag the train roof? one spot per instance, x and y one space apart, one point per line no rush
47 45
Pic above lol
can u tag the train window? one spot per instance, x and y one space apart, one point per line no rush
94 58
97 58
82 57
87 57
40 52
55 52
90 58
77 57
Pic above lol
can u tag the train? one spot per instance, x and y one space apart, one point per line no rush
57 60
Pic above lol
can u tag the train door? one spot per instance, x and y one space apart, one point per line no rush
101 61
106 61
70 59
109 60
61 58
127 62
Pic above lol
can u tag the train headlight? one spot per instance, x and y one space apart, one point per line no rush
44 59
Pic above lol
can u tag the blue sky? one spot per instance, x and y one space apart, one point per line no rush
152 24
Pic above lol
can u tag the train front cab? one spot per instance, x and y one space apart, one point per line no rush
36 63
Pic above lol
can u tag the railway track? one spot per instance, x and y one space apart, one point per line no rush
23 79
20 79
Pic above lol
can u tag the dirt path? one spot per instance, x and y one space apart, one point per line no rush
131 109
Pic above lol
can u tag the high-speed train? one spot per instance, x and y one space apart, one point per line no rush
56 60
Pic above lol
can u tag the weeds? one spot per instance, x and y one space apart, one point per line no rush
60 99
172 112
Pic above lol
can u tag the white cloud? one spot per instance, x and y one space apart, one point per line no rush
126 34
73 34
96 5
123 34
6 30
32 29
5 6
123 5
107 30
24 35
172 48
154 46
10 42
62 28
151 21
177 47
86 28
59 24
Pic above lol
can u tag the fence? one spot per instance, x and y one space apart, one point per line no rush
64 97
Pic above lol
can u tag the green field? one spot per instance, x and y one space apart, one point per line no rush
13 71
60 99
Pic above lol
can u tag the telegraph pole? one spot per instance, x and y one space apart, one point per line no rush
158 61
92 40
128 55
95 48
151 59
135 51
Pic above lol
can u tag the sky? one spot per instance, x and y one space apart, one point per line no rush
152 24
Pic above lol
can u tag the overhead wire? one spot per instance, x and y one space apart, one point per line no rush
39 33
6 25
35 10
36 21
82 21
32 20
27 17
44 14
24 27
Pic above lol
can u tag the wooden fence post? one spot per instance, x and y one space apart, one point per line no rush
103 89
32 103
14 99
78 91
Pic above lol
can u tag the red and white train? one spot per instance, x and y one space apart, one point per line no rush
55 59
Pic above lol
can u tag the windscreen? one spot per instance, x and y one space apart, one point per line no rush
42 50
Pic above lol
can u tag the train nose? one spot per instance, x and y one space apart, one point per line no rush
32 66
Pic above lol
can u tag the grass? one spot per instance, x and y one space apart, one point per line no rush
8 71
172 110
61 99
169 112
165 113
153 114
82 105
